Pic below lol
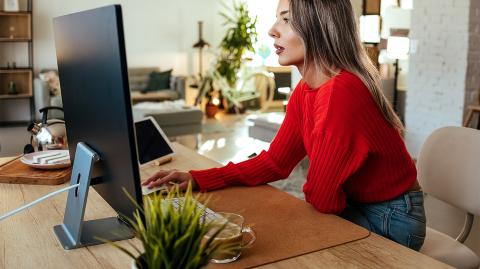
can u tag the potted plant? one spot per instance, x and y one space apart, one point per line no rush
172 237
240 37
211 108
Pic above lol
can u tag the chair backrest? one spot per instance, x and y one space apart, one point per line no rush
265 85
449 167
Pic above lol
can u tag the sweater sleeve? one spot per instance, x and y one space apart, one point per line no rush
285 151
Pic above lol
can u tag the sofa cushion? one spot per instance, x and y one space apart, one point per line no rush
154 96
174 117
158 81
168 112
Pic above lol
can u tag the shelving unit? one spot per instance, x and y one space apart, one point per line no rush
23 80
17 28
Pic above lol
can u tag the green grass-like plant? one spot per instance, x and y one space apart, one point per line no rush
172 238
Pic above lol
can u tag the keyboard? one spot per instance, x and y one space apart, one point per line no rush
208 215
147 191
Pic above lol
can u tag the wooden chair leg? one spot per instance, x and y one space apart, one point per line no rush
468 118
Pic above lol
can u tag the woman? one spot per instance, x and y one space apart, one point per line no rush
338 116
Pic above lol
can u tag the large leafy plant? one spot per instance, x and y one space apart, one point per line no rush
240 36
172 237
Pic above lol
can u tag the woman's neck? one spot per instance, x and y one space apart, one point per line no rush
314 77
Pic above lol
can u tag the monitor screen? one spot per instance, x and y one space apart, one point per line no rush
93 75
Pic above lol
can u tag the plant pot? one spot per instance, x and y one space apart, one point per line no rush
211 110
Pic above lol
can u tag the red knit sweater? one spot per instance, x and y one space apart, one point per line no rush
354 152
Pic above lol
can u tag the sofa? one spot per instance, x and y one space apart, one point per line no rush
138 79
167 107
174 122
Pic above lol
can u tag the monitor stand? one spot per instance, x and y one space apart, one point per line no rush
74 232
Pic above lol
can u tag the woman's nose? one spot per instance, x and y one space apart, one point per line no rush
273 33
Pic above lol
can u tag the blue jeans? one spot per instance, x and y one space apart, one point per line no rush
401 219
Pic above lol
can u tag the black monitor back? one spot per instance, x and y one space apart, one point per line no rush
93 75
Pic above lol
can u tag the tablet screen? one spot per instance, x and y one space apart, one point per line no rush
150 143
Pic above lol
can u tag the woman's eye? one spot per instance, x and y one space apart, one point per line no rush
285 20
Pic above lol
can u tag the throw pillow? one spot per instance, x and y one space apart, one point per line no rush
159 81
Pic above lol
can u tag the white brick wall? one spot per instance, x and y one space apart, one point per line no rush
473 67
438 69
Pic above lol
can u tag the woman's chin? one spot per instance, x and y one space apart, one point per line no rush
283 61
287 61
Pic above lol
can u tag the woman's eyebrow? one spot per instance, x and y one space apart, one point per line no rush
283 12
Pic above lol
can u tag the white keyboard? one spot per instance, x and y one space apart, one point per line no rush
147 191
209 215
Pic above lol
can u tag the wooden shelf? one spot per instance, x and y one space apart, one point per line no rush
16 31
14 96
15 27
14 123
15 70
6 39
14 13
22 79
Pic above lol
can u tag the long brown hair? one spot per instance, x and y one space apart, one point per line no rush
331 39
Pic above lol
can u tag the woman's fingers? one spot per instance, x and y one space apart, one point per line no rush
183 185
163 177
156 176
173 175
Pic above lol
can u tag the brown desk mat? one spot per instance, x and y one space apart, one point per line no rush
285 226
20 173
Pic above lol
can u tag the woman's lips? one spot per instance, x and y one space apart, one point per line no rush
279 50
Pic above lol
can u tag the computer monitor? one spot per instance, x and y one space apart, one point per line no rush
93 73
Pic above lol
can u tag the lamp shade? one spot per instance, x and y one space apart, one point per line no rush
370 28
398 47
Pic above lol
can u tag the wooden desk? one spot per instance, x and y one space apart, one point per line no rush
27 239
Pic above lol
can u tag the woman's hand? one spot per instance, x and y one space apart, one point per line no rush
168 177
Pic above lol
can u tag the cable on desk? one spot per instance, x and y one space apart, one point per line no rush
20 209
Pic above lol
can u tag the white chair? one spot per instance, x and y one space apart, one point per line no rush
449 170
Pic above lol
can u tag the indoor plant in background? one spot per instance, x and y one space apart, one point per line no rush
172 238
239 39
